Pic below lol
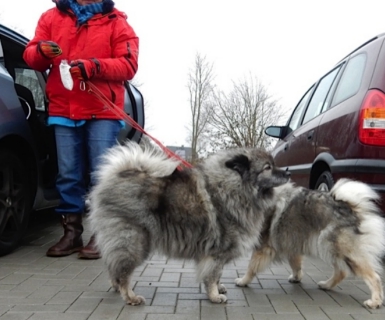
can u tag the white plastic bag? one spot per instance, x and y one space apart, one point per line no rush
65 74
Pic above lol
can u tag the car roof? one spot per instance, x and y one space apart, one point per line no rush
381 35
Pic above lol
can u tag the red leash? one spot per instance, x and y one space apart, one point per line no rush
126 118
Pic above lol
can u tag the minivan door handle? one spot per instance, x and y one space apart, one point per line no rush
310 135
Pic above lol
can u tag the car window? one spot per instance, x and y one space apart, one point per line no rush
318 99
296 116
351 79
28 78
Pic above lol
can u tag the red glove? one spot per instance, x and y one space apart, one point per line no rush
85 69
49 49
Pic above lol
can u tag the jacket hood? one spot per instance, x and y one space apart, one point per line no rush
64 5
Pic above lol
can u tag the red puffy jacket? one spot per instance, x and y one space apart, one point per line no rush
107 37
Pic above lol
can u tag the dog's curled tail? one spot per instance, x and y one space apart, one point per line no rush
362 199
358 194
132 156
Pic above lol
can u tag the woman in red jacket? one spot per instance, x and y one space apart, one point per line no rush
95 38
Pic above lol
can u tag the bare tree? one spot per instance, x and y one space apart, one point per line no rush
238 119
200 86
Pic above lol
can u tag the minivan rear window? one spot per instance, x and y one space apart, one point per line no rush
351 79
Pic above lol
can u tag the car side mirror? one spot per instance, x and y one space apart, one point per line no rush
275 131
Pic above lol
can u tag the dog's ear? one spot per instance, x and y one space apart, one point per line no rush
239 163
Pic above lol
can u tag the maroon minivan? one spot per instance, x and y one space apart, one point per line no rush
338 127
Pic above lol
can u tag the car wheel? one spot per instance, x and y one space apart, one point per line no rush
15 201
325 182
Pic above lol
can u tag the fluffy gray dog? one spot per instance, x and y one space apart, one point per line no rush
211 213
343 227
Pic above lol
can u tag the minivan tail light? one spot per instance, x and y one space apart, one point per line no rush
372 119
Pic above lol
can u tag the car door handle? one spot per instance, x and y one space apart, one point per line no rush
286 146
310 135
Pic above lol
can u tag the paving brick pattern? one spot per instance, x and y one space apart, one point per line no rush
36 287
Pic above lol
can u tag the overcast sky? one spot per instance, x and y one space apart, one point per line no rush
286 44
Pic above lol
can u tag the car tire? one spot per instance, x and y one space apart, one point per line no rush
325 182
15 200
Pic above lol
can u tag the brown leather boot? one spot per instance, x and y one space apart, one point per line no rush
71 241
90 251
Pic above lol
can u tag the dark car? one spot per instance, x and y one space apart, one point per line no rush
338 127
27 146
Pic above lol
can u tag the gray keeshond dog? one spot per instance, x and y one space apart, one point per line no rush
344 227
211 213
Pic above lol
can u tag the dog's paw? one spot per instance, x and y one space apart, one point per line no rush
240 282
294 279
372 304
323 285
220 298
222 288
137 300
114 285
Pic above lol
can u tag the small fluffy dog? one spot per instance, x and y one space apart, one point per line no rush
211 213
343 227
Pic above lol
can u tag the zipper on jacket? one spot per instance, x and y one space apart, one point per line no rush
113 95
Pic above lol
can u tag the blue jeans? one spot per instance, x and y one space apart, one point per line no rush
78 153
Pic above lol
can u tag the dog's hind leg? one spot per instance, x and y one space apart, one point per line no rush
127 294
121 263
372 279
121 283
114 284
295 263
336 278
259 261
210 271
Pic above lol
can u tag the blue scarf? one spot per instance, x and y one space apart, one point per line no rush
84 13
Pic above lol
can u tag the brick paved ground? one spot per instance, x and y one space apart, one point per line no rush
36 287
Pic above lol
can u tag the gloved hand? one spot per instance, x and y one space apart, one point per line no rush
85 69
49 49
